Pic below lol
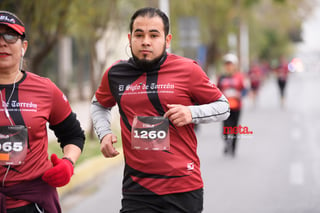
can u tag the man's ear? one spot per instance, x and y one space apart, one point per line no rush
129 38
168 40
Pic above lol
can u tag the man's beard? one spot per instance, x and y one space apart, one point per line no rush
145 64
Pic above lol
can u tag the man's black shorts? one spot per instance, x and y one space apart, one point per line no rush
31 208
187 202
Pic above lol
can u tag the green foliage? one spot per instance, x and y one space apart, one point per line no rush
91 149
249 3
280 1
45 23
273 25
85 21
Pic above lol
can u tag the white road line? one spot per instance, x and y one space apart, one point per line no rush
314 150
296 174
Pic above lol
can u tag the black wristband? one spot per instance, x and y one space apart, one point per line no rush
69 160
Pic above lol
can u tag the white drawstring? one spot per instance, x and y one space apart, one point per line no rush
5 176
39 210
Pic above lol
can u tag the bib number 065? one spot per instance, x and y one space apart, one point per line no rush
152 134
11 146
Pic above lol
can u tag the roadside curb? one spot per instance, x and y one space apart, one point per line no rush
88 170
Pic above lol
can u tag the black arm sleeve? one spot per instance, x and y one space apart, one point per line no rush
69 131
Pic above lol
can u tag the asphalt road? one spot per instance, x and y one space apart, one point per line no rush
276 169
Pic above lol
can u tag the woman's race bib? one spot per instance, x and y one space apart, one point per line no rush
13 144
150 133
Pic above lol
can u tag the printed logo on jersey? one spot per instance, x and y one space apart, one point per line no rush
210 83
142 88
190 166
65 98
20 106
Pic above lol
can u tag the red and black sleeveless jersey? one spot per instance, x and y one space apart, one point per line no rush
34 102
282 71
175 80
232 87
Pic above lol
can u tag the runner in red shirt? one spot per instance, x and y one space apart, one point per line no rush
160 97
232 85
28 103
256 76
282 72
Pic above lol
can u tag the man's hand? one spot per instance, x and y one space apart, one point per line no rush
178 114
106 146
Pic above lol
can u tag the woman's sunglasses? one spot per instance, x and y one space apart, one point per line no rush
10 38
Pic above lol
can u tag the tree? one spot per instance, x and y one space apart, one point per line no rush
88 20
276 26
45 24
272 24
95 18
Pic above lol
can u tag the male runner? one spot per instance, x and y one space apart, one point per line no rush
160 97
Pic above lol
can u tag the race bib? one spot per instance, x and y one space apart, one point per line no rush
150 133
13 144
232 93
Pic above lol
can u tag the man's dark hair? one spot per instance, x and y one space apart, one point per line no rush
151 12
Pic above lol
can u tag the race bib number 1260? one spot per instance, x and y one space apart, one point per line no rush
150 133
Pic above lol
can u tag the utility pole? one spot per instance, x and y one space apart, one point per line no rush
244 47
242 39
65 64
165 7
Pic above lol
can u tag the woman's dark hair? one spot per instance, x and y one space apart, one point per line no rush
151 12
